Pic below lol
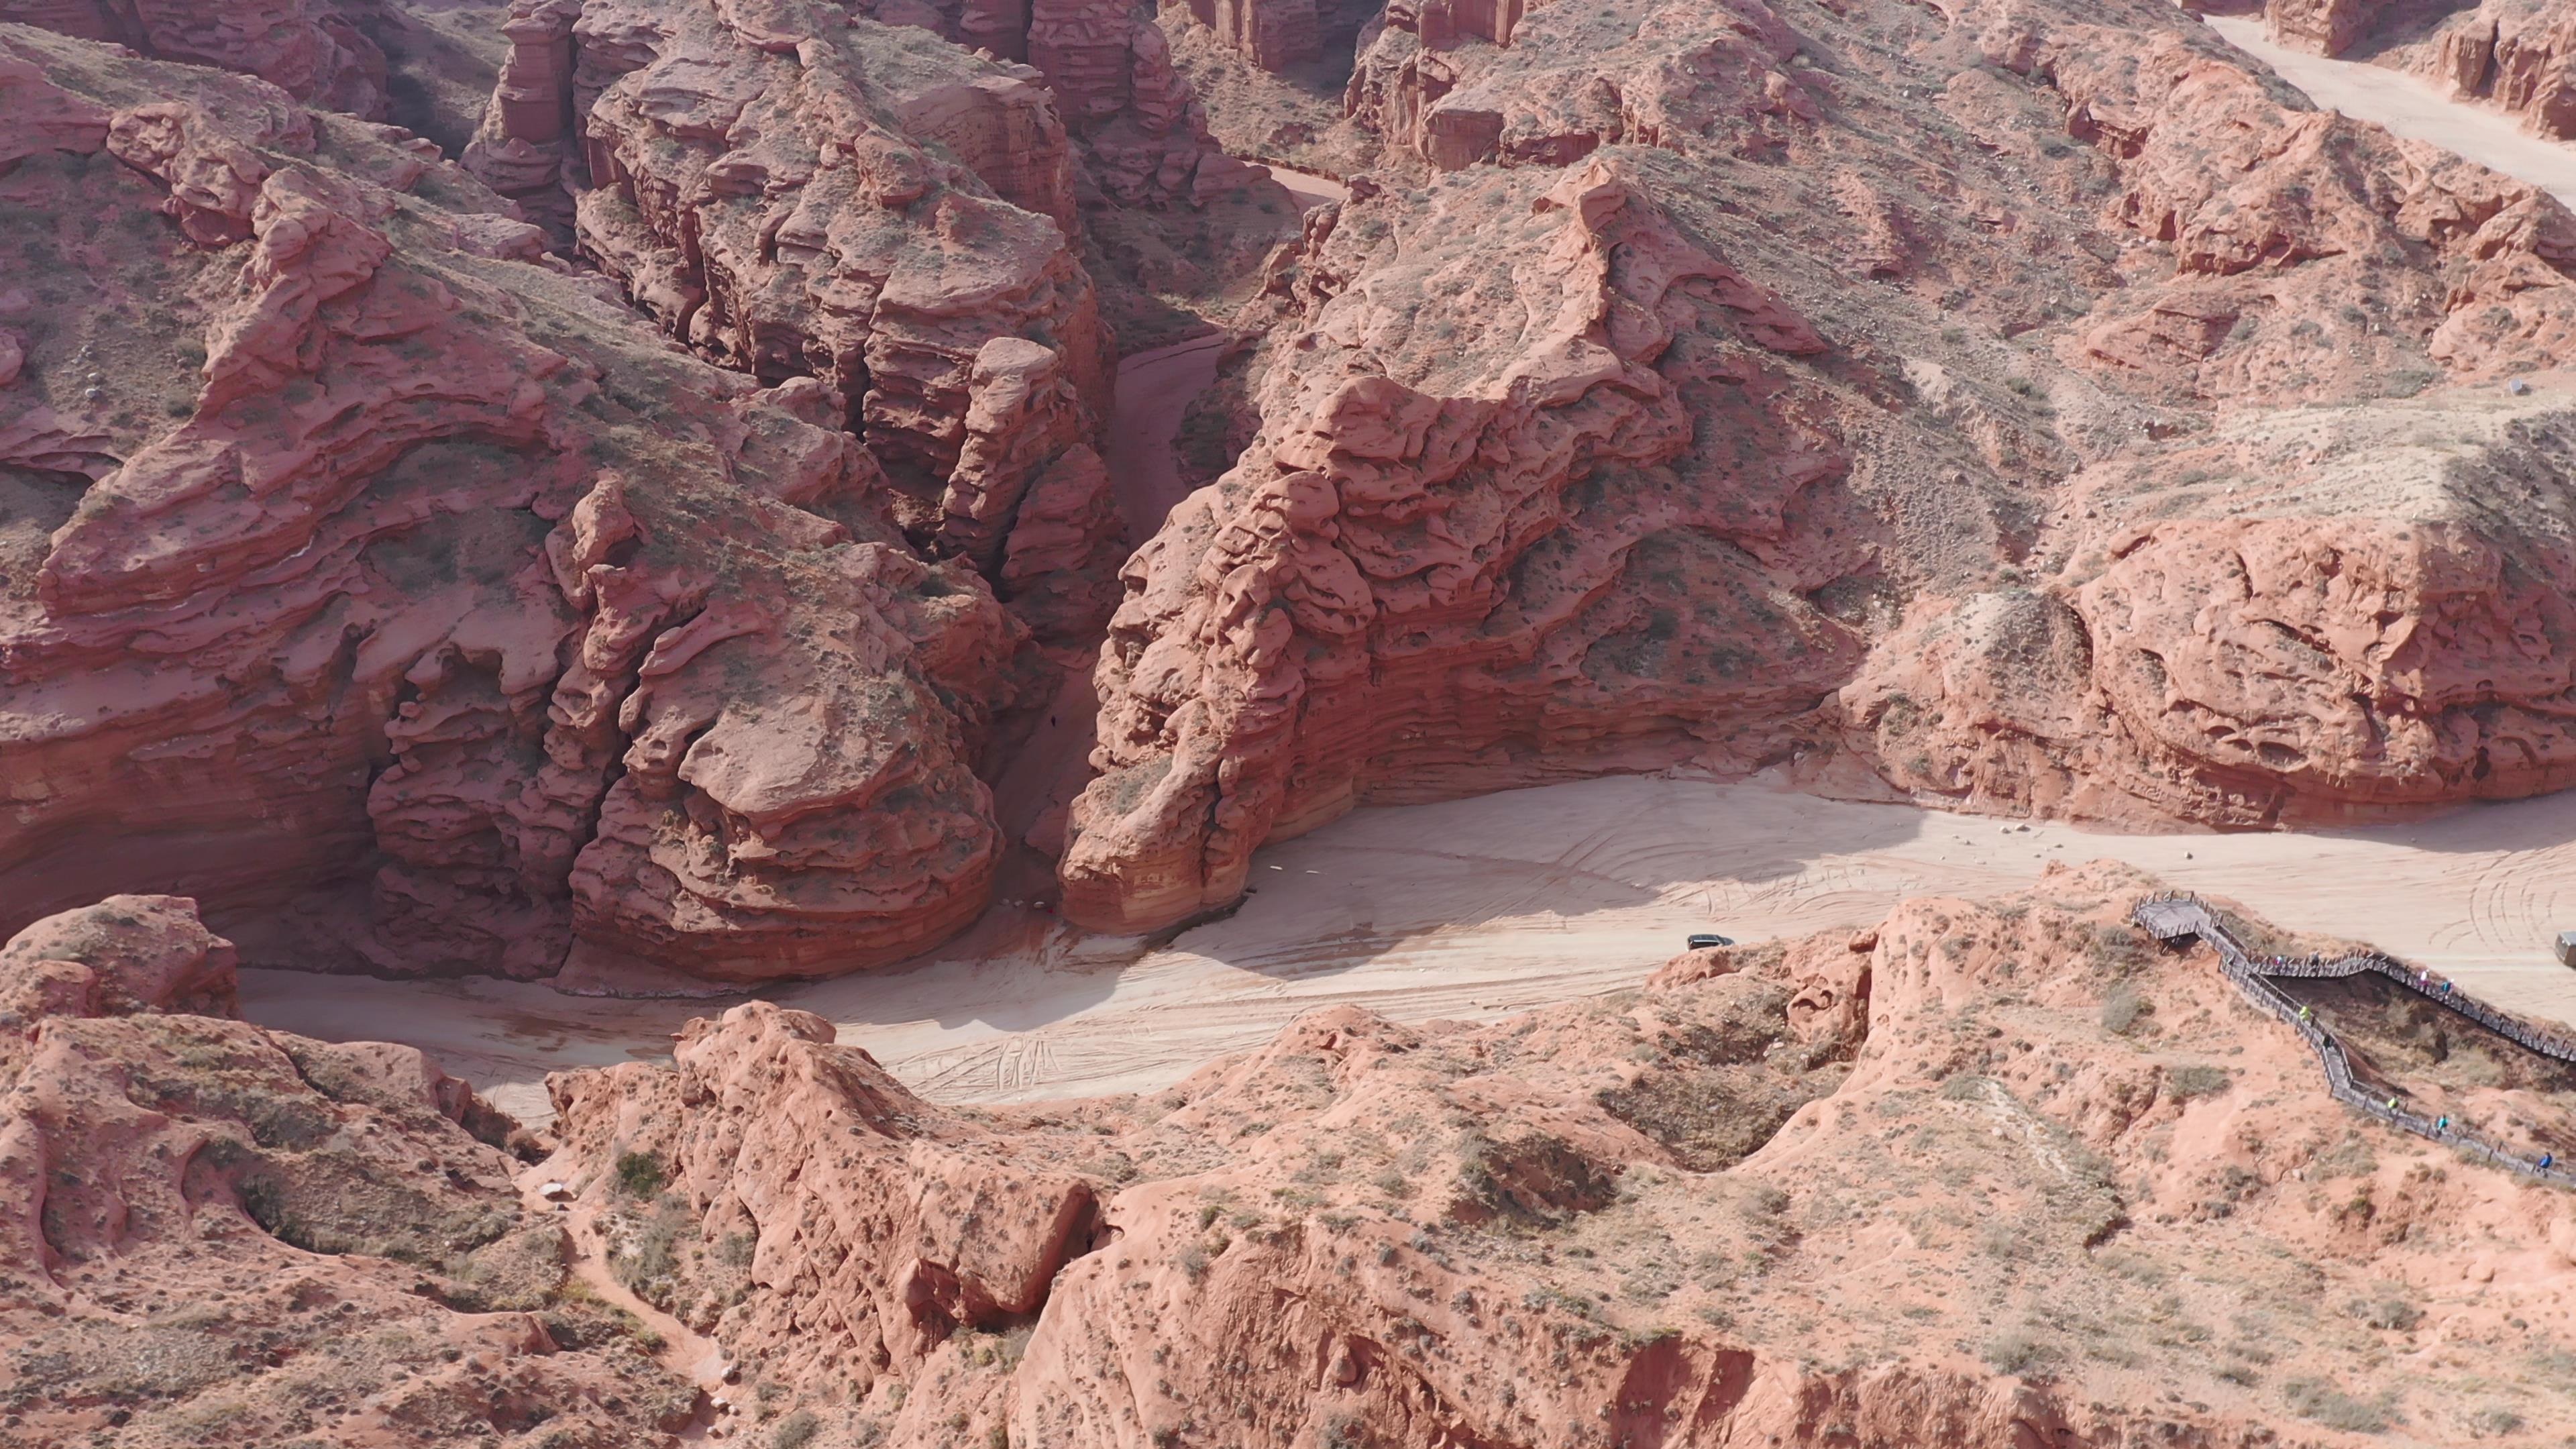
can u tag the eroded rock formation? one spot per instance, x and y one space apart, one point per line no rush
2185 236
1327 579
447 601
2218 646
208 1222
808 192
1883 1188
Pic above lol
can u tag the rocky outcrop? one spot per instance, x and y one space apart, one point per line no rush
450 604
1407 580
776 190
208 1221
2219 648
1767 1199
2328 27
1272 34
1142 133
911 1223
2519 55
309 48
2283 624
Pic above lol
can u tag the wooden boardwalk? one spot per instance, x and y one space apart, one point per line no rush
2173 918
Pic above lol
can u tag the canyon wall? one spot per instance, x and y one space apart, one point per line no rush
811 192
415 605
1692 470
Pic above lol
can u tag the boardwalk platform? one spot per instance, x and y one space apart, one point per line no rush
2183 917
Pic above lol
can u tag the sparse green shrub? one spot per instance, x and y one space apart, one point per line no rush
2121 1010
639 1174
796 1431
2018 1353
2186 1083
2388 1313
2327 1404
2494 1422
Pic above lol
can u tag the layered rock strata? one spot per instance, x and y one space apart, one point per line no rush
1412 584
1272 34
809 193
439 597
2330 613
2183 236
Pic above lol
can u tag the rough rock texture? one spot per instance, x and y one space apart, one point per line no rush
1418 570
214 1229
1273 34
1143 135
775 187
1931 1185
310 48
2518 54
444 599
2328 27
1686 372
2332 610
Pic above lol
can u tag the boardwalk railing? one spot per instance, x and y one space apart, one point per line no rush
2177 916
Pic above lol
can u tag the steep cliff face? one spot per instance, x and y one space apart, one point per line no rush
1910 1187
209 1223
437 595
1426 574
1399 591
810 193
309 48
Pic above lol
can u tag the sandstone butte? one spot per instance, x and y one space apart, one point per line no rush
1988 1173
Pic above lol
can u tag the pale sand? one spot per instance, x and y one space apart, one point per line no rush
1153 390
1479 907
1310 189
2411 107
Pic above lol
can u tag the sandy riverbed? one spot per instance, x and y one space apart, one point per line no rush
2410 107
1479 907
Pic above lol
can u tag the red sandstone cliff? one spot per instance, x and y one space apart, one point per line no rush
773 187
432 593
1573 467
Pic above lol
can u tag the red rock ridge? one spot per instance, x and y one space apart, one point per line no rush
1403 587
562 648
